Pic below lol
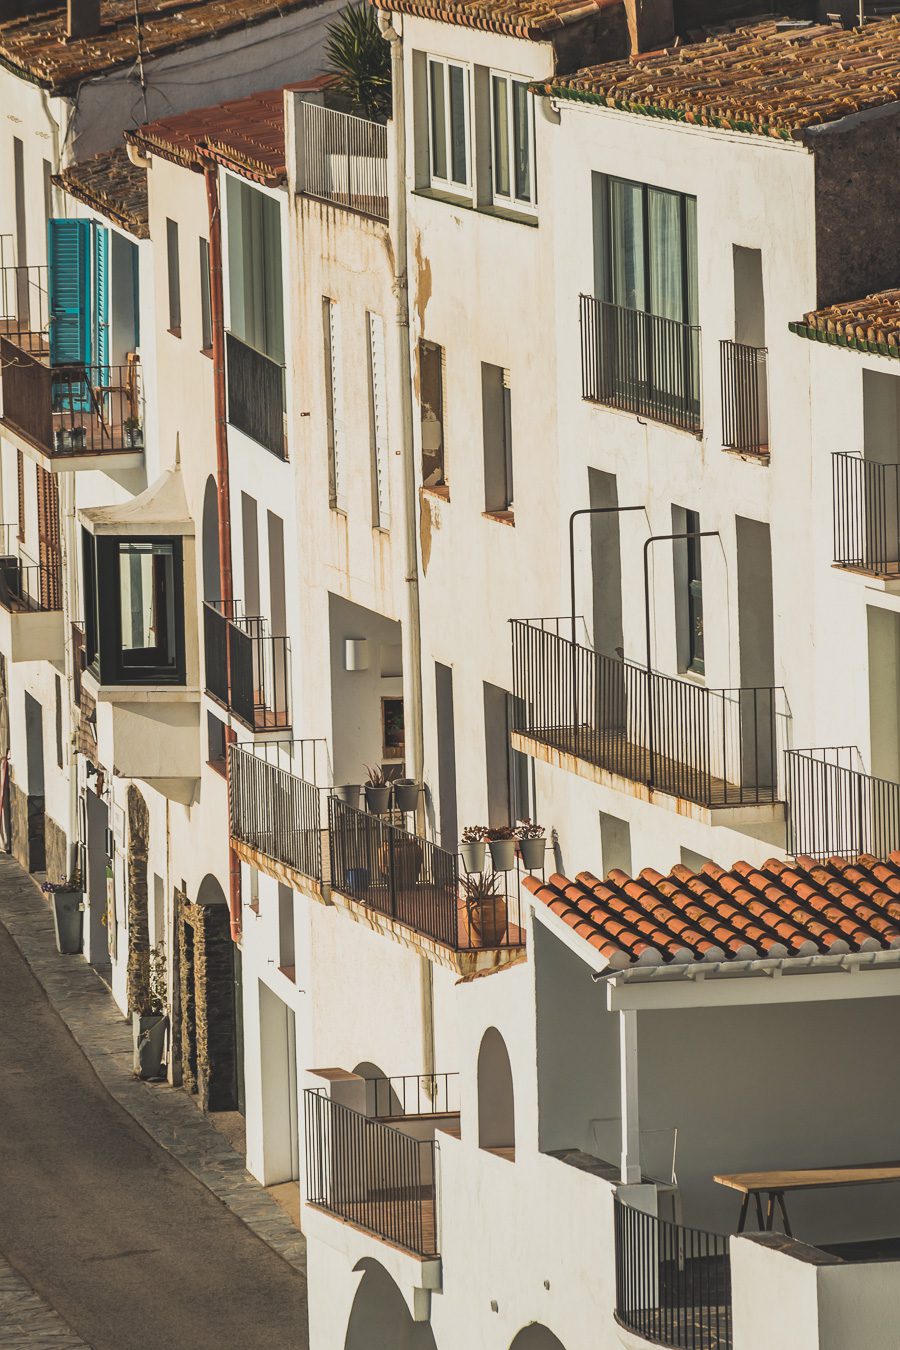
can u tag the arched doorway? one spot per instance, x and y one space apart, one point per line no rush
496 1107
536 1337
212 585
208 1032
380 1319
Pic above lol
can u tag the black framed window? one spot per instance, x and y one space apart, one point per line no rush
650 253
134 610
694 594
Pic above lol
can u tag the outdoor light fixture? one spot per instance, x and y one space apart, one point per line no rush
356 654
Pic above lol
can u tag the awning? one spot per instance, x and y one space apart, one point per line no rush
161 509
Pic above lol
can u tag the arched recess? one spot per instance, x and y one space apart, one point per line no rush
212 586
380 1319
381 1099
536 1337
208 1037
496 1107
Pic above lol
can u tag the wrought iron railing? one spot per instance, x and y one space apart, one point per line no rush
247 669
371 1174
413 881
716 747
274 811
343 159
673 1284
745 421
71 410
641 363
24 307
24 584
256 399
413 1094
836 810
866 514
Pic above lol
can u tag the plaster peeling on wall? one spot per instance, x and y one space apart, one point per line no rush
423 282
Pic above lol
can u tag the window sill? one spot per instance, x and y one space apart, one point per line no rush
176 332
218 767
501 517
760 456
479 208
441 491
207 351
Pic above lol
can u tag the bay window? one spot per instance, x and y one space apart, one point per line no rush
134 609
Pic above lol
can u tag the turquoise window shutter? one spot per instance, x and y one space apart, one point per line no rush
68 256
100 315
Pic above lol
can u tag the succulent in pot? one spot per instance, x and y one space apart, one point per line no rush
502 843
472 846
378 791
532 844
406 794
486 909
67 899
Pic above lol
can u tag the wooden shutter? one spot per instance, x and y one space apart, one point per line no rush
336 468
68 257
378 394
48 539
20 476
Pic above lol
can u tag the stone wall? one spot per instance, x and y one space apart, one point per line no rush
206 1031
27 828
138 972
57 850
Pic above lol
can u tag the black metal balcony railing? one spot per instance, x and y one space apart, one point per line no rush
273 811
866 514
371 1174
673 1284
640 363
256 401
26 585
24 308
743 372
71 410
412 880
835 810
343 159
247 669
413 1094
716 747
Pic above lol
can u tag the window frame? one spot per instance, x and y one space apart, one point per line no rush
173 276
103 621
449 184
688 290
206 326
511 201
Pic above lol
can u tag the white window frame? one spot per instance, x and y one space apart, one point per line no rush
510 200
445 65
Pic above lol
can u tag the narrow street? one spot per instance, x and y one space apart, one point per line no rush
112 1232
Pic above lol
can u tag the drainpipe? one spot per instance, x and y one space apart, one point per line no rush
223 494
413 657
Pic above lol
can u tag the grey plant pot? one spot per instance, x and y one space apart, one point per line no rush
532 853
503 854
67 920
348 793
406 794
149 1038
377 799
472 855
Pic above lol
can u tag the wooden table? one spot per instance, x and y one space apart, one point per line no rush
776 1184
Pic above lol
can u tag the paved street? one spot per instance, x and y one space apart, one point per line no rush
105 1225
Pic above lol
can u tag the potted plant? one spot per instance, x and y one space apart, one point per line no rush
471 847
69 438
150 1023
485 909
348 793
378 791
406 794
134 436
532 844
502 843
67 900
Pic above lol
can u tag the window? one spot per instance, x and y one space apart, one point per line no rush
650 249
146 611
512 141
688 590
19 196
256 314
134 609
20 492
59 721
448 124
334 405
174 275
381 498
215 740
431 386
497 431
206 333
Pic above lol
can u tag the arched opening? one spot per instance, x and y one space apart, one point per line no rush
536 1337
381 1099
212 586
209 1034
496 1109
380 1319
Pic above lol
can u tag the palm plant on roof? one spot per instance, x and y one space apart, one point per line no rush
360 59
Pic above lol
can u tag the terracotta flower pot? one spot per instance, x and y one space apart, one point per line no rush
488 922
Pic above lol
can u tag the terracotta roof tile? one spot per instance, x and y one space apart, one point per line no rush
780 909
112 185
518 18
771 79
871 324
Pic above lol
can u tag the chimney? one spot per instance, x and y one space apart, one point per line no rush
651 24
83 18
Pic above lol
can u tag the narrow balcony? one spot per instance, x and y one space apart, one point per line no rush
24 309
342 159
640 363
247 668
866 516
835 810
745 401
76 416
276 809
31 618
256 397
608 719
673 1284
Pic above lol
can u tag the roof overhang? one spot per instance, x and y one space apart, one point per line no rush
160 510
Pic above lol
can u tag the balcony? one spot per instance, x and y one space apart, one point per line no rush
247 669
31 618
24 309
673 1284
835 810
640 363
608 719
73 416
277 814
745 417
256 400
342 159
866 516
